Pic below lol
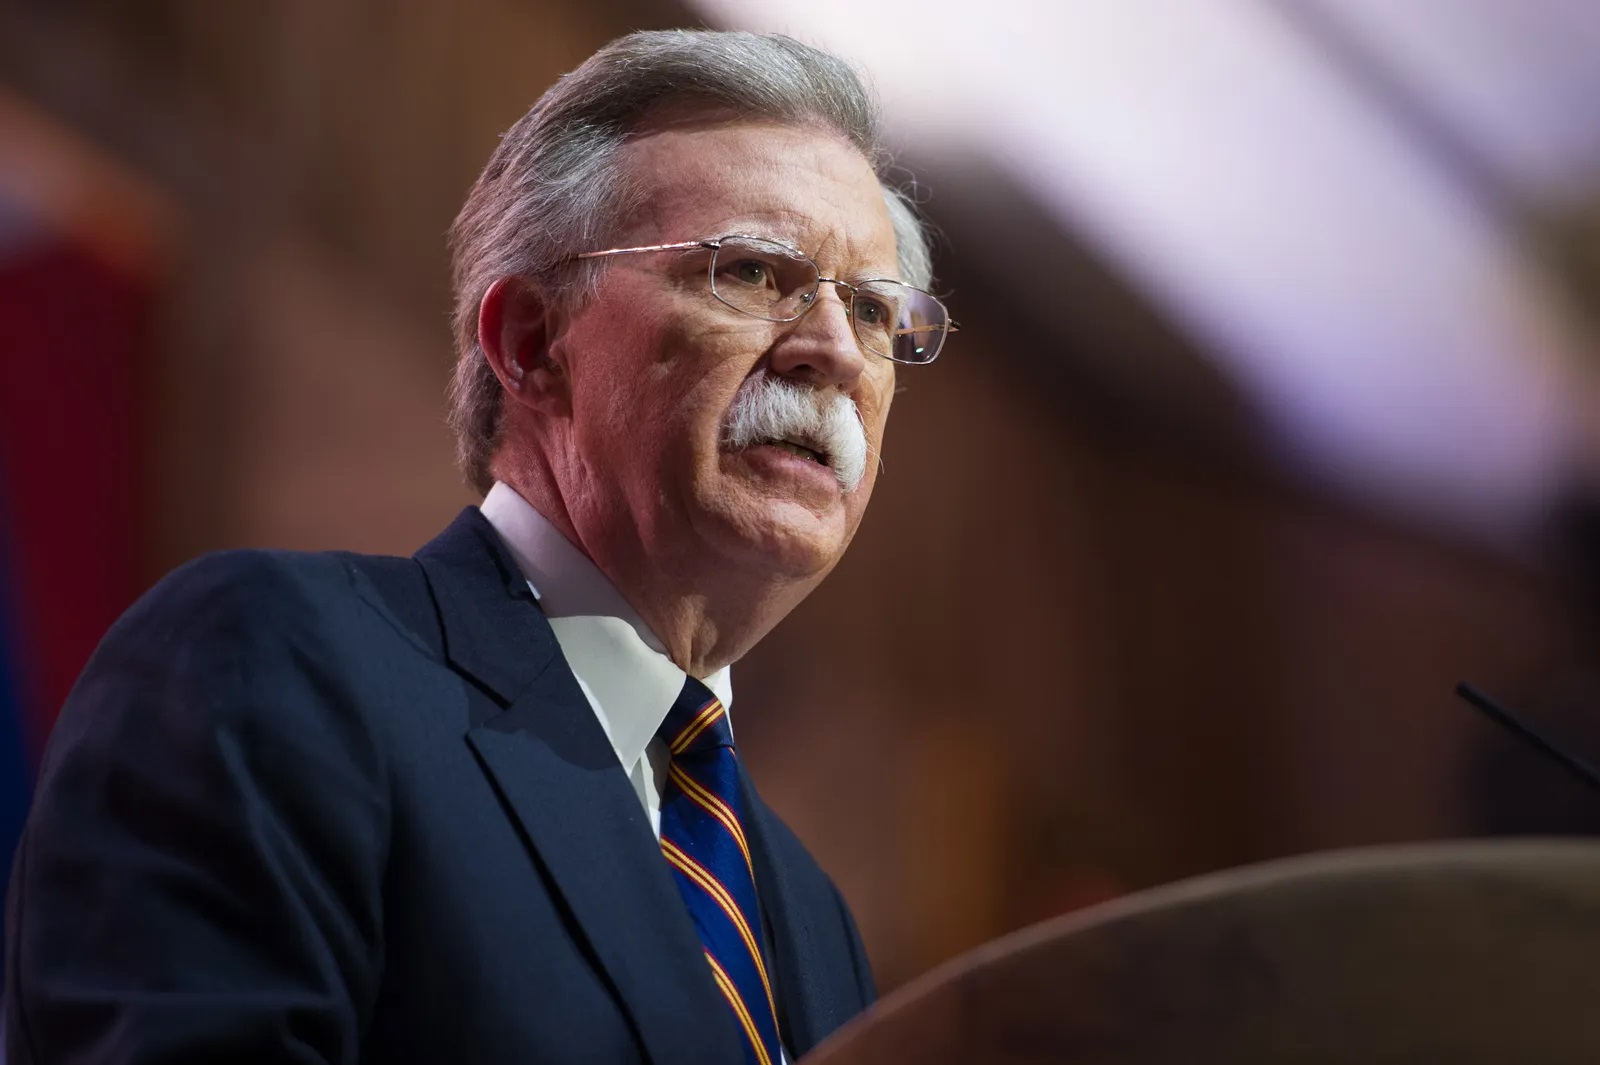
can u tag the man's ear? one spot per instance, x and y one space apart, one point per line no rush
516 324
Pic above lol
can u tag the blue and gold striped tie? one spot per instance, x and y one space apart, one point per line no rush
702 836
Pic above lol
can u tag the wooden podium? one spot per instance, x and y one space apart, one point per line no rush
1449 954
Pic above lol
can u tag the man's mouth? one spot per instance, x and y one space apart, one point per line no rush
794 448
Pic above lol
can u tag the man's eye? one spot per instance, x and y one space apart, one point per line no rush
870 312
750 272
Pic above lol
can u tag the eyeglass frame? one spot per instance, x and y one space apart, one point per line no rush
714 244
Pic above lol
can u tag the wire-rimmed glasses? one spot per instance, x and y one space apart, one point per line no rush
765 279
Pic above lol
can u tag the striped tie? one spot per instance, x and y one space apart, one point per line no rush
702 835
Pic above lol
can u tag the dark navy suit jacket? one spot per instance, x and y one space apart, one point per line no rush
342 808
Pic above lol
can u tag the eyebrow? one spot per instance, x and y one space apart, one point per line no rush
861 276
765 234
856 277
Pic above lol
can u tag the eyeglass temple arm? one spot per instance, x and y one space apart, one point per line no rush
950 327
680 246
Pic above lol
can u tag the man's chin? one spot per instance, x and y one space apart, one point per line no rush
795 543
789 539
765 514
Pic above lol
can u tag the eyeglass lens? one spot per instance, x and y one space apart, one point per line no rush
768 280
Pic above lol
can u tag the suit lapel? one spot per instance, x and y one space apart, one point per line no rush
550 761
812 1000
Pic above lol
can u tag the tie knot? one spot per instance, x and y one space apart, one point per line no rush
697 721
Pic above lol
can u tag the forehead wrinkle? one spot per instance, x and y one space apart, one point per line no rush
807 189
865 263
826 243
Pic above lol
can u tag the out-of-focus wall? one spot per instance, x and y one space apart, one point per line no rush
317 153
1060 664
1068 655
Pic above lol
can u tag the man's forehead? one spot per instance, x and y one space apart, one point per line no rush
804 187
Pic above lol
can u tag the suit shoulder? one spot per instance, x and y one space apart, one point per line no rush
805 879
256 588
795 858
239 617
782 838
246 642
255 575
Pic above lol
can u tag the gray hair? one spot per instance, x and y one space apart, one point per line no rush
553 188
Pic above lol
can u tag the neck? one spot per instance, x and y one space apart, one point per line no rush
706 615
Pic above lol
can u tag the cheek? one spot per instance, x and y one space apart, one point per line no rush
874 404
668 416
706 367
627 374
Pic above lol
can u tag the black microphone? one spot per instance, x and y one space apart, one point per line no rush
1583 769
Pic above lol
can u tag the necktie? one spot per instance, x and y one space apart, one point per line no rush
702 836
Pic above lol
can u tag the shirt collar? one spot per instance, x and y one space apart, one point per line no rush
620 663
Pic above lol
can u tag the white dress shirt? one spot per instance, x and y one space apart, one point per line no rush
620 664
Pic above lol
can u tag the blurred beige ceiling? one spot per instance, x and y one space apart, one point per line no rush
1334 201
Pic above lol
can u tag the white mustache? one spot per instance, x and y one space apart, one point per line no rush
769 408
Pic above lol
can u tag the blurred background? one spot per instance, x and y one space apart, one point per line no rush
1273 413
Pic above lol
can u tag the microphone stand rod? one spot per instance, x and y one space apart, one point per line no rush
1585 770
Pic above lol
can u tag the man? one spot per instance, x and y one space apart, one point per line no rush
482 805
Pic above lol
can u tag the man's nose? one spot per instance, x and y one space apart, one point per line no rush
821 347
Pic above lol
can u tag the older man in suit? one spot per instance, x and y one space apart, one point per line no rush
483 804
